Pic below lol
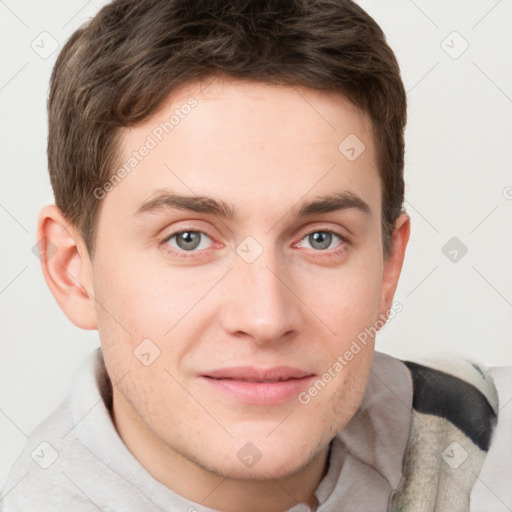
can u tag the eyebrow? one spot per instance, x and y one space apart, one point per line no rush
202 204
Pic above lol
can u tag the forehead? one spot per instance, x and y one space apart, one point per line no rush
249 142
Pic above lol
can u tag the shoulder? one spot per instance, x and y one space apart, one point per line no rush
38 475
66 463
457 423
459 390
492 491
42 476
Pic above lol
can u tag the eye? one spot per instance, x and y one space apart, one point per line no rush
322 239
188 240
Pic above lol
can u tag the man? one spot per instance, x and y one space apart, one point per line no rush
228 179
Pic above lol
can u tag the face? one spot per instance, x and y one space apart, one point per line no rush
236 261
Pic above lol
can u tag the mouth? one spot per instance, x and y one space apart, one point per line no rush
250 385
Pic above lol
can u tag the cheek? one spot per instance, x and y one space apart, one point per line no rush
338 399
347 395
347 301
148 314
143 300
349 305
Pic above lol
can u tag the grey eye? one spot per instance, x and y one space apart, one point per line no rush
320 239
188 240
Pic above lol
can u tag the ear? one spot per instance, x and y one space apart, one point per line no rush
394 262
66 266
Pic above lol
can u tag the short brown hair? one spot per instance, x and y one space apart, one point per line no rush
117 69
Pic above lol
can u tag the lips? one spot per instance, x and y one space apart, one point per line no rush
251 374
258 386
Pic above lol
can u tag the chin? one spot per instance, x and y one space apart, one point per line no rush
264 460
269 469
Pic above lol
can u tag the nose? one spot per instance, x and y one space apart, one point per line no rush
262 302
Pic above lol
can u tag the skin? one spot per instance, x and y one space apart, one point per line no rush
263 150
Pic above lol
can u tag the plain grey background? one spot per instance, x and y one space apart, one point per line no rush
457 68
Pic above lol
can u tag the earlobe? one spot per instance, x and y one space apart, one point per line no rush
394 262
66 267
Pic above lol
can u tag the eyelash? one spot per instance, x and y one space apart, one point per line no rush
344 242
